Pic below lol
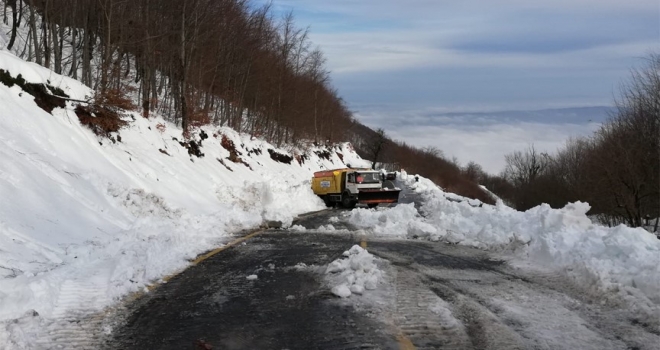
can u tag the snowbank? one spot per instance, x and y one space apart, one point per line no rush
620 259
85 220
354 274
401 221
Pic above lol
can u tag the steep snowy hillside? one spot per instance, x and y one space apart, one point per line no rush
107 216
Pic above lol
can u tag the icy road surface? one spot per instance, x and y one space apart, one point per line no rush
273 293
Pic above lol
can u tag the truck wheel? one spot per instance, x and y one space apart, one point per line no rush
372 205
328 203
346 201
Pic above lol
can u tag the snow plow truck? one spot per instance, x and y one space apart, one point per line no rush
349 187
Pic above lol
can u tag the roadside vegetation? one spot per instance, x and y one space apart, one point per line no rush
616 170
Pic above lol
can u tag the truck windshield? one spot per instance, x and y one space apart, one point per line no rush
367 177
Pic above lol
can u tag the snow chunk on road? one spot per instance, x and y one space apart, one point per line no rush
354 274
357 289
297 228
329 228
251 277
341 291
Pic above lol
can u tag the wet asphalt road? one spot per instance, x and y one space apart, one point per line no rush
214 303
435 296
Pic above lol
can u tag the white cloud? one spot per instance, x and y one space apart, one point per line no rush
487 144
486 138
394 50
421 9
383 35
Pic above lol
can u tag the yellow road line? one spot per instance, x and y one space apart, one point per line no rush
240 240
229 245
205 256
310 214
404 342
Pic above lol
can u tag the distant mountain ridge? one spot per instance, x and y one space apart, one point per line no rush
559 115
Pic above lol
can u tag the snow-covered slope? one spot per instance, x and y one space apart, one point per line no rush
81 210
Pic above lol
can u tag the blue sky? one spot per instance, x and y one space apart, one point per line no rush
395 60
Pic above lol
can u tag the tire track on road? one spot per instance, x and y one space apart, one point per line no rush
503 310
415 316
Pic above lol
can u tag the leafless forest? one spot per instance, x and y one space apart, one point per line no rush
198 62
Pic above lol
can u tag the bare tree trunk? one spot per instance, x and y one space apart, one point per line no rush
182 62
45 35
58 41
14 22
107 47
35 37
146 91
88 41
20 14
74 55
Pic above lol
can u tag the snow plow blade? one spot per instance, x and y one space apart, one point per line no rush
379 196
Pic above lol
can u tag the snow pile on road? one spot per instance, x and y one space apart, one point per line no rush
400 221
354 274
86 219
619 259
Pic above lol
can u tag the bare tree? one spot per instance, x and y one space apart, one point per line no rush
377 145
627 153
14 23
474 172
523 168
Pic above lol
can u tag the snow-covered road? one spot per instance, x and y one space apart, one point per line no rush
446 296
273 291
